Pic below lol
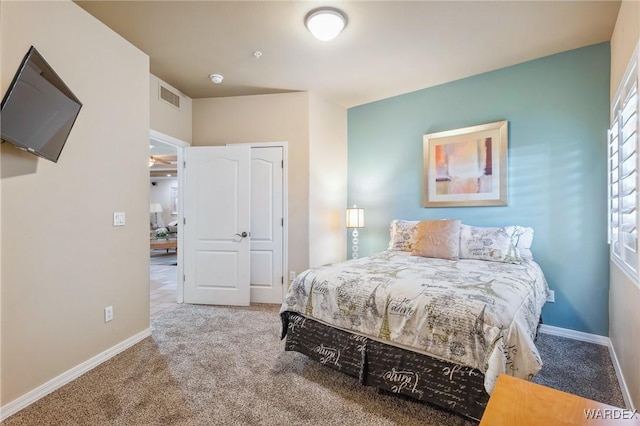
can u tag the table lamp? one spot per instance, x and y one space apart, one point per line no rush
355 220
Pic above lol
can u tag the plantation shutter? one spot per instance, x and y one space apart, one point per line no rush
623 173
614 182
629 178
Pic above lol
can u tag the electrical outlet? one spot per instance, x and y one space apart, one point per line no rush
292 275
551 296
108 313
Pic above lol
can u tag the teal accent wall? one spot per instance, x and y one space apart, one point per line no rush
558 113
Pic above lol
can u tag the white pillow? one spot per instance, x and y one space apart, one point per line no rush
524 237
493 244
402 234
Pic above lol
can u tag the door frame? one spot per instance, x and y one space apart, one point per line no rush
180 145
285 203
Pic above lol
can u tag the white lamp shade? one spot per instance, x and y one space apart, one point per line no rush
325 23
155 208
355 218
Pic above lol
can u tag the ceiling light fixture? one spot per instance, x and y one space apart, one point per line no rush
216 78
325 23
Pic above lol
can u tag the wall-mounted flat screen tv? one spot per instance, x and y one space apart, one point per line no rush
38 110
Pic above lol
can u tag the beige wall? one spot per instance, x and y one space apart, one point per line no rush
624 329
624 295
62 260
624 40
266 118
327 181
166 118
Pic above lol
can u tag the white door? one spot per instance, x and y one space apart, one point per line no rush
217 193
267 276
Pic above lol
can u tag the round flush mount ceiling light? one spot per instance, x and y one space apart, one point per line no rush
325 23
216 78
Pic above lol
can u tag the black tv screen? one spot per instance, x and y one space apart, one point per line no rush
38 110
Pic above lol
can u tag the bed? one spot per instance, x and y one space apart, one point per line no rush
434 329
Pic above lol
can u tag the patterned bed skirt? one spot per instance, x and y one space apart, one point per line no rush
391 369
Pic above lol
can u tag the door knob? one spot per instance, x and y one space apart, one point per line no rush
243 235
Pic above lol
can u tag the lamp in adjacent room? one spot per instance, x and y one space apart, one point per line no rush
355 220
155 208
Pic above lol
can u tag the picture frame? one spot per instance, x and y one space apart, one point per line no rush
174 200
466 167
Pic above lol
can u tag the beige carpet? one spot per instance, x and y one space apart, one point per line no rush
226 366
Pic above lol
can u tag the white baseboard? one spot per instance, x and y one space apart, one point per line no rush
69 375
575 335
599 340
623 384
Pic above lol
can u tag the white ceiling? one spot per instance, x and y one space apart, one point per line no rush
388 47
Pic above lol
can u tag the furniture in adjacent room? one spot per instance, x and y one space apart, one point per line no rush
165 237
168 244
520 402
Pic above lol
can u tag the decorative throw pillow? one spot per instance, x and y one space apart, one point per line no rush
494 244
438 238
402 234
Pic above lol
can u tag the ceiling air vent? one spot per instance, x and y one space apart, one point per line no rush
170 97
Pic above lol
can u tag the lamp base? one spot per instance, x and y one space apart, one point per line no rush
354 244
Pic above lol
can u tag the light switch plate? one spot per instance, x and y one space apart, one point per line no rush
118 219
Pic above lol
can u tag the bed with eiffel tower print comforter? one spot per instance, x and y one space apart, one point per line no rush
474 313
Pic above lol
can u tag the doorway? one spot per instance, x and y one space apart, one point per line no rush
164 187
267 259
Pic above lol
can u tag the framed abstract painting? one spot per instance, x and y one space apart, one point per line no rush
466 167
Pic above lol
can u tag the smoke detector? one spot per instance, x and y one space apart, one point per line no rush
216 78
